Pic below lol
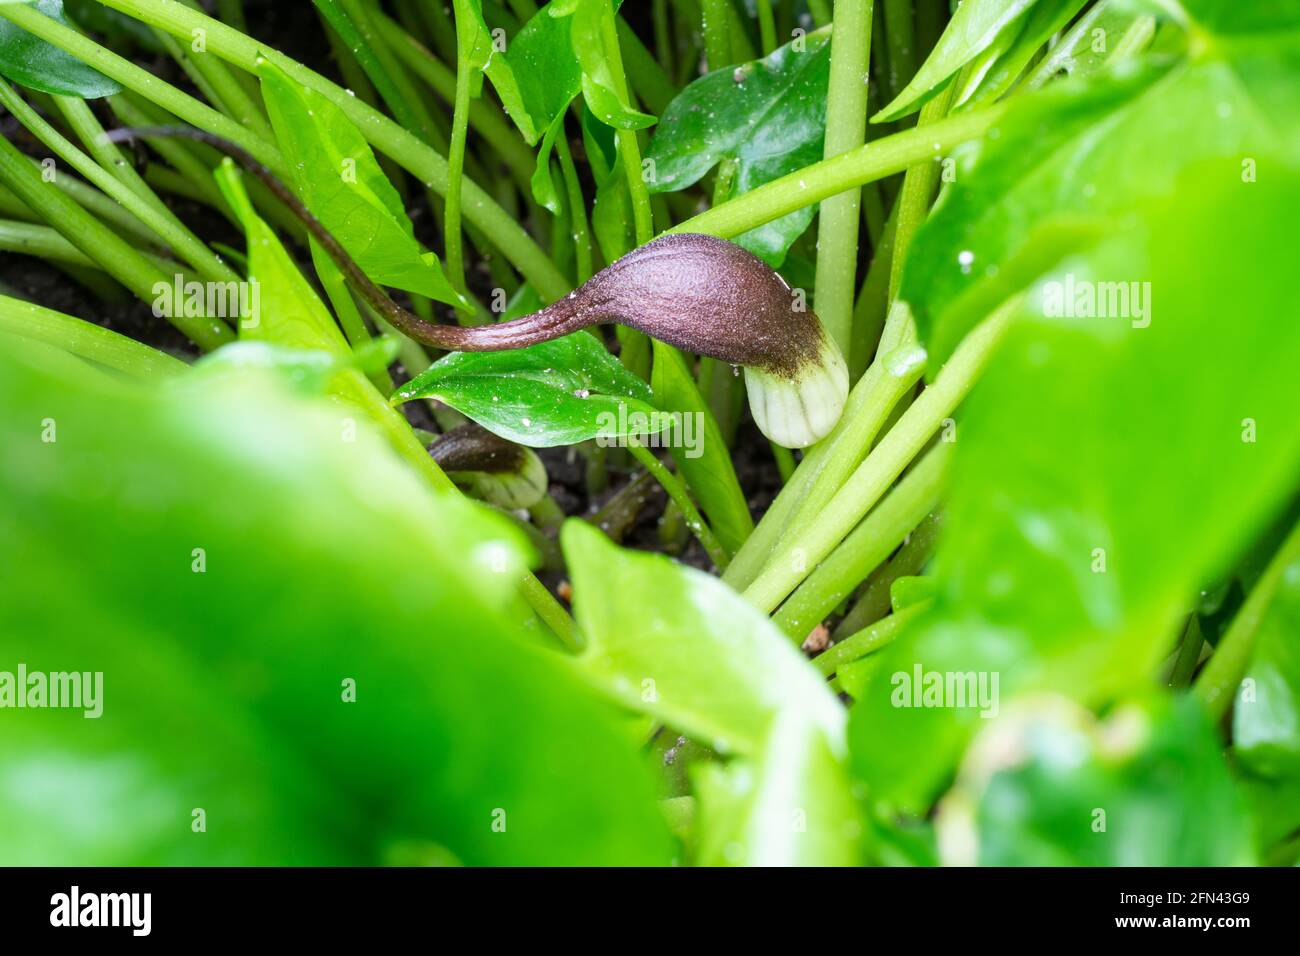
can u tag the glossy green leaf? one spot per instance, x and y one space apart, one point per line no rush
543 184
478 49
236 578
543 58
587 37
611 212
111 790
1070 560
555 393
974 26
1089 43
280 306
1018 207
768 116
32 62
558 54
1051 786
1266 716
674 642
792 806
1004 62
336 175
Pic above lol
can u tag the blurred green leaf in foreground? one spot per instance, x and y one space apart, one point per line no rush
306 657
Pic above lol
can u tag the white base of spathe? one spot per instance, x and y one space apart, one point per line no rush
797 413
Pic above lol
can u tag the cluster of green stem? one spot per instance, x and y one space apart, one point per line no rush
835 486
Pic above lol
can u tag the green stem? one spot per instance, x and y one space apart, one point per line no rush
345 307
455 173
868 163
812 542
577 209
1217 683
742 48
141 81
173 49
910 559
650 83
629 149
169 229
846 129
917 192
870 543
229 91
663 37
86 341
437 14
352 20
1135 39
867 641
887 383
900 31
41 242
551 612
716 26
87 128
93 201
829 464
874 395
548 514
232 12
1189 653
784 461
115 255
873 213
766 26
485 117
872 307
677 492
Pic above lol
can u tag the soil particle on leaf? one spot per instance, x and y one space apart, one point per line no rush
818 639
